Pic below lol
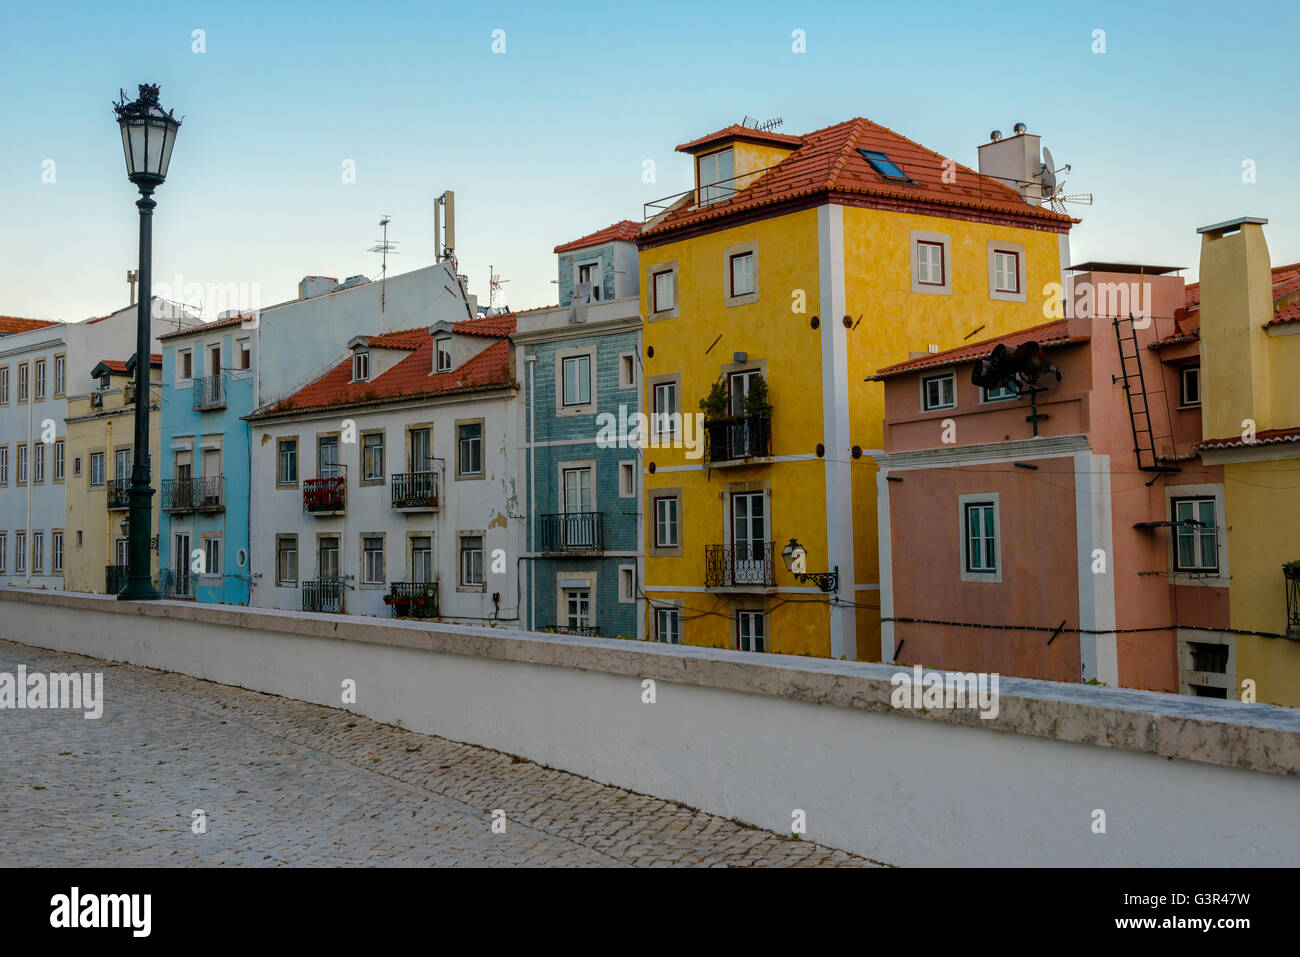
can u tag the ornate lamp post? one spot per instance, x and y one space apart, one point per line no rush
148 135
794 556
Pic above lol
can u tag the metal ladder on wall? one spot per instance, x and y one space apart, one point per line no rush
1139 409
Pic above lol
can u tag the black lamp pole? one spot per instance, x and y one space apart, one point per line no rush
148 135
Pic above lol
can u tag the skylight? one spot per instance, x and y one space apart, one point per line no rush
883 165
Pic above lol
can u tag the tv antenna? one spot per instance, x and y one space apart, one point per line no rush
495 282
764 126
384 247
1054 189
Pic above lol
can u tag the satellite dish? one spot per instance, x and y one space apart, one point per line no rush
1048 175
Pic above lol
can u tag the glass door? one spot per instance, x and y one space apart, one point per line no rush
749 538
579 530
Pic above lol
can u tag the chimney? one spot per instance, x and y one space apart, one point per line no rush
316 286
1015 162
1236 304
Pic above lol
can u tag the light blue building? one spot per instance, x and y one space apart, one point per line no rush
578 364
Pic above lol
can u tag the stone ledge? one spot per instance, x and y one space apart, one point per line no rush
1230 733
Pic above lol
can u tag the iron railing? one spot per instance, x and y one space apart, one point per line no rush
114 579
746 564
1291 572
326 596
414 490
174 585
580 532
413 599
119 494
737 437
209 393
324 494
194 495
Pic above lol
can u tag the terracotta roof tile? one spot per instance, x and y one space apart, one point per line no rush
624 229
9 325
1267 437
827 161
496 326
736 131
206 327
1049 334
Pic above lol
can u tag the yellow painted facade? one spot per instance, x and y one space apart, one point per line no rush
92 528
824 262
1249 372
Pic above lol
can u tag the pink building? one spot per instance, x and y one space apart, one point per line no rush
1073 533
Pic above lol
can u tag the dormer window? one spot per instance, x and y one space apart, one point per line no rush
360 366
715 174
883 165
443 346
105 381
590 273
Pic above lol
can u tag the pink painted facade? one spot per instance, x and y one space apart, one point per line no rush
1064 503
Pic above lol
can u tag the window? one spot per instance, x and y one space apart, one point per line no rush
286 559
741 271
60 375
883 165
666 414
1191 385
1207 657
444 354
58 460
40 378
627 371
22 464
577 380
4 385
665 290
327 558
1196 535
38 463
212 556
56 552
214 359
122 551
469 449
78 538
372 565
750 633
981 537
4 550
937 392
1008 391
738 386
106 381
372 457
38 553
627 583
668 625
666 522
20 552
76 465
360 366
929 263
1006 271
96 468
327 457
122 464
577 608
22 382
4 465
422 559
421 449
245 354
471 560
287 467
716 171
590 273
185 359
627 480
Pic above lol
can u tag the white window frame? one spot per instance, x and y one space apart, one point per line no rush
627 585
181 356
56 552
668 618
627 483
361 366
673 429
951 378
751 615
597 283
675 525
211 556
563 359
731 296
1000 394
442 352
464 574
627 370
654 273
368 576
964 502
1020 293
944 242
718 187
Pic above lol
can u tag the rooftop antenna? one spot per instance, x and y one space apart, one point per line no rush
444 220
1053 189
495 282
384 247
768 125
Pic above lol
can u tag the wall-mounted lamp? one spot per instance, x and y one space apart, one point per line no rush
794 556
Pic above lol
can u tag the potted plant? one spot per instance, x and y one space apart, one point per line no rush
756 400
1291 570
716 407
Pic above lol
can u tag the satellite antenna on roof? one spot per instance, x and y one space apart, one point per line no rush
495 282
384 247
1054 189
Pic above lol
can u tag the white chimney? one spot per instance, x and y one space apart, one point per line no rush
1015 161
316 286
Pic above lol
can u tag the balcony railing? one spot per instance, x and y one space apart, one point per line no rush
119 494
181 585
326 596
737 438
746 565
209 393
413 599
324 496
586 631
1291 574
576 532
414 490
114 579
194 495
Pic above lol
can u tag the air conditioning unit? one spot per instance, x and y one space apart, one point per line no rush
96 400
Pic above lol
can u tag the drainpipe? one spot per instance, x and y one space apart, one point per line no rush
531 359
31 465
111 557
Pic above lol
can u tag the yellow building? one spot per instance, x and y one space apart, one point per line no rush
100 443
806 263
1250 367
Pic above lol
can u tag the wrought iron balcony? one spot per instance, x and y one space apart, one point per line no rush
585 631
209 393
413 599
114 579
205 494
414 491
737 438
1291 574
180 586
746 565
119 494
572 533
325 596
324 496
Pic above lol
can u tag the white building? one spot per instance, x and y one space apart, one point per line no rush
42 365
394 475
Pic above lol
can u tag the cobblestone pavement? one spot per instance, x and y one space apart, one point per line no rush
286 782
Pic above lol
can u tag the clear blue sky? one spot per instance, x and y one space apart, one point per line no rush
546 142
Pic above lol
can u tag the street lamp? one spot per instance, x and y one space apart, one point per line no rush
793 555
148 135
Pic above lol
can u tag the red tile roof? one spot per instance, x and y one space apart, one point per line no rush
736 131
208 326
118 366
827 161
409 378
1047 335
624 229
9 325
1286 290
1267 437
